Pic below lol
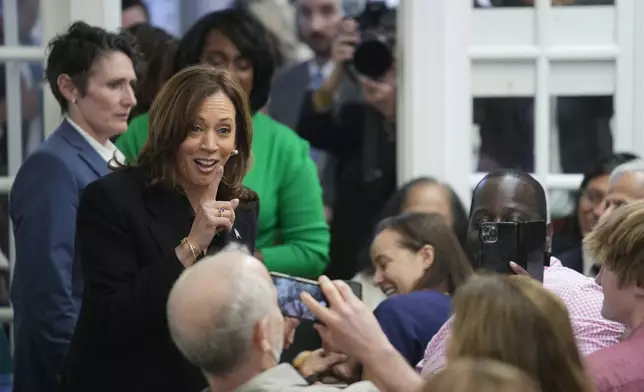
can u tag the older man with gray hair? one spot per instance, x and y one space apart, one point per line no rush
224 317
626 185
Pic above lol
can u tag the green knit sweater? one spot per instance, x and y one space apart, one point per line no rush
293 235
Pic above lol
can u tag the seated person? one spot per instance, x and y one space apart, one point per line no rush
617 244
566 245
422 194
419 265
480 375
498 304
509 319
510 195
224 317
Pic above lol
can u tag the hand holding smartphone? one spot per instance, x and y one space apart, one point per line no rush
521 242
290 288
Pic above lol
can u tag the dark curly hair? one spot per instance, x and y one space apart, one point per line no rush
76 51
249 36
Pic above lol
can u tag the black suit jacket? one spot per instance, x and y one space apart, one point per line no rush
366 179
126 235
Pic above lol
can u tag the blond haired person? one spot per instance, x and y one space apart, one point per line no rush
618 244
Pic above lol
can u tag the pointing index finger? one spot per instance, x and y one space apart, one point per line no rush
213 188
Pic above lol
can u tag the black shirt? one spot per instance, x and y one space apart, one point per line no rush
364 145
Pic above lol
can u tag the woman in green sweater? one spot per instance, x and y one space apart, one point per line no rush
293 236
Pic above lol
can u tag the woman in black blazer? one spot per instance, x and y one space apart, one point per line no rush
139 227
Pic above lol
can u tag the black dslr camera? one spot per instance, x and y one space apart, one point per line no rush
374 55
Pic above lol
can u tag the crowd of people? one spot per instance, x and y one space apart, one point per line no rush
186 170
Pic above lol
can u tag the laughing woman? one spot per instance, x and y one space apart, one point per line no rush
293 236
419 264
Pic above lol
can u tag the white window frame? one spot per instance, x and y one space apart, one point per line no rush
451 53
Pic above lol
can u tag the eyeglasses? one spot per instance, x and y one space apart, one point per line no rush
594 196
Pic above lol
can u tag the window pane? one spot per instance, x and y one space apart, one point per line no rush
504 133
581 133
28 24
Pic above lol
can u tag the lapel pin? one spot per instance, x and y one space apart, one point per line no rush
237 234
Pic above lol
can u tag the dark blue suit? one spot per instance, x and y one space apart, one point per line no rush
48 284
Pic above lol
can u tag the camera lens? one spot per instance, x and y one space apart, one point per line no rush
373 58
493 233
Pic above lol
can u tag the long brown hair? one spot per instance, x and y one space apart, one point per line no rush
173 112
480 375
513 319
451 267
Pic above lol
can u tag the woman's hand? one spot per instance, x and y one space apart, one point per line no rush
212 216
318 362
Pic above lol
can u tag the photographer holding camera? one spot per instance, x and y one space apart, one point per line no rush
361 134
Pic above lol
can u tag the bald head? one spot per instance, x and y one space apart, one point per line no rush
506 196
214 307
510 192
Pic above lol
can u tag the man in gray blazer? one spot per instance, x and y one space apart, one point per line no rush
224 317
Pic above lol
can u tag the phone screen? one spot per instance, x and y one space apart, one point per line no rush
289 290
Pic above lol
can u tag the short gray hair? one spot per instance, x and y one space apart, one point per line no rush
236 247
634 166
224 343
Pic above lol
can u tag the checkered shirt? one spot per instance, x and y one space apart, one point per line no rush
582 296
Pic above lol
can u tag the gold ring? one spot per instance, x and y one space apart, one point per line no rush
221 211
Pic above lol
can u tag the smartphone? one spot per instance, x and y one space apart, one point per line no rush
523 243
289 289
532 240
499 244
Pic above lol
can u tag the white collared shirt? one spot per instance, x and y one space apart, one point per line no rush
107 151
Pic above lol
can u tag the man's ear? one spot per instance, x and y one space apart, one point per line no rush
261 336
549 232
